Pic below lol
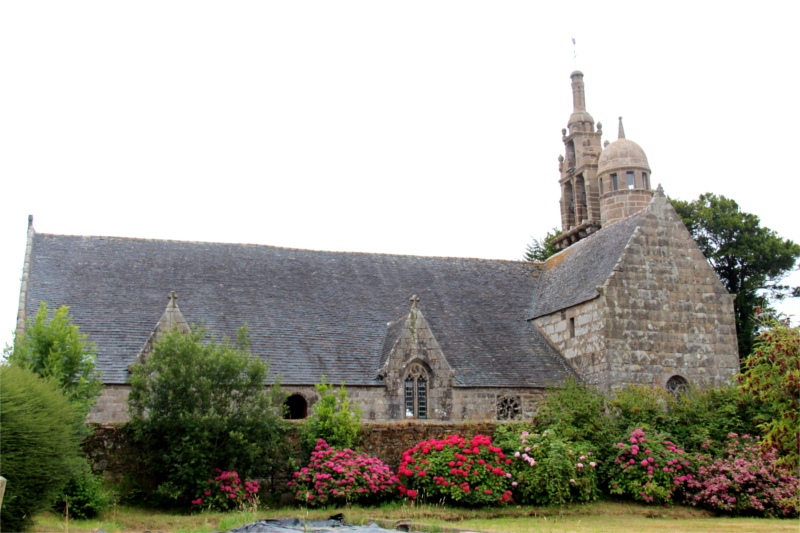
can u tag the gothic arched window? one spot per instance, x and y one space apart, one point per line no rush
677 384
416 392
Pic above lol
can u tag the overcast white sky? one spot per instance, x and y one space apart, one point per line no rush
415 127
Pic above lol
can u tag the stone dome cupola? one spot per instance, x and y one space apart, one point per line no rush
623 175
622 154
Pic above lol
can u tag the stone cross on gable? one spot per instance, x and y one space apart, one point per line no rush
414 301
173 299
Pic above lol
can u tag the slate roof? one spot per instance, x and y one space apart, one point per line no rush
309 312
571 276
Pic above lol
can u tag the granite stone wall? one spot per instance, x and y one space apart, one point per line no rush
464 403
668 312
618 205
111 454
111 406
579 334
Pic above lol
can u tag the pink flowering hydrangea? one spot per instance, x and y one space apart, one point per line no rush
456 469
226 492
745 481
648 471
342 476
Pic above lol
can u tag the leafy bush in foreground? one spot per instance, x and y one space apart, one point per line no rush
456 470
550 471
199 404
83 496
342 476
744 481
650 470
39 441
335 419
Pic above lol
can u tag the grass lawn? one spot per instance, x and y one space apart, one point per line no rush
609 517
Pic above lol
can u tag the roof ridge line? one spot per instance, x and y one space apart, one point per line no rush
387 254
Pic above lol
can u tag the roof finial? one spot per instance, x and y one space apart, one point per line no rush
414 301
621 130
173 299
30 221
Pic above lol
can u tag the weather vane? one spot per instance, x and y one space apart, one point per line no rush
575 53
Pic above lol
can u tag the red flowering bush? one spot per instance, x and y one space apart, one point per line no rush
647 470
455 469
226 492
548 470
342 476
744 481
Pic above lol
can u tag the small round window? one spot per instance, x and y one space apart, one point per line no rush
677 384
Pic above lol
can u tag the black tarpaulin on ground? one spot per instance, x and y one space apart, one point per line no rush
293 525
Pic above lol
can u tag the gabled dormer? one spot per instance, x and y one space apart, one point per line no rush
417 375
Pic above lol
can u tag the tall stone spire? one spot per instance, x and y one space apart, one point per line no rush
580 207
621 134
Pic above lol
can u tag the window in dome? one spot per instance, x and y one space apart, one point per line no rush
645 181
615 185
630 180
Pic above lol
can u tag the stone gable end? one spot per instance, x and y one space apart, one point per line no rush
668 313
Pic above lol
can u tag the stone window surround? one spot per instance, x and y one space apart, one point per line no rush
417 371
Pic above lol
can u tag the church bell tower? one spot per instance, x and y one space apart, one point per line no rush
580 196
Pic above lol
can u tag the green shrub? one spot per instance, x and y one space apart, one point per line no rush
702 419
198 405
772 376
550 471
640 406
83 496
575 411
335 420
39 441
55 348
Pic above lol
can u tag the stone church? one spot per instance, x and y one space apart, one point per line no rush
629 298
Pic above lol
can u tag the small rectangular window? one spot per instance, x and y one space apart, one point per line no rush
645 181
572 327
630 180
614 181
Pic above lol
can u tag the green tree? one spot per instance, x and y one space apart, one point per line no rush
55 348
772 375
199 404
540 249
749 259
40 443
335 419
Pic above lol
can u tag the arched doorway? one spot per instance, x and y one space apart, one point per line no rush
296 407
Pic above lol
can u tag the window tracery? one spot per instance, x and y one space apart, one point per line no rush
509 408
416 392
677 384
